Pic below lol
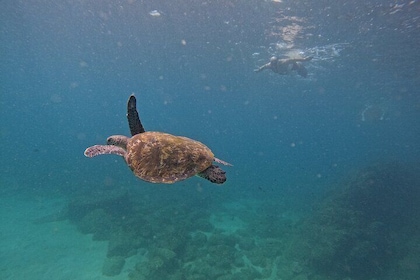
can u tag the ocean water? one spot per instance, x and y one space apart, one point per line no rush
304 150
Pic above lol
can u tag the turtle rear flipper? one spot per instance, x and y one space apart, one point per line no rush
222 162
133 117
104 150
214 174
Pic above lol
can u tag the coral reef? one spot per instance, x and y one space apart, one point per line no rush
178 240
355 230
364 228
113 266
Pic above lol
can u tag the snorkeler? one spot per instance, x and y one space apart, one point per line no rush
284 66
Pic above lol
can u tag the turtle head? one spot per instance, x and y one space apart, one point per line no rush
117 140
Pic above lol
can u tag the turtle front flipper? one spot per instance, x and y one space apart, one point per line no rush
104 150
133 117
214 174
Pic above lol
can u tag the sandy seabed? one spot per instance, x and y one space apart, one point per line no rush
47 250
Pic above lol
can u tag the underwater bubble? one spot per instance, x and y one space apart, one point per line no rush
155 13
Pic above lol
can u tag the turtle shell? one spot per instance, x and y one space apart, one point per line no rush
164 158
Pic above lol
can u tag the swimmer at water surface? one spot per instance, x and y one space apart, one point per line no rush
284 66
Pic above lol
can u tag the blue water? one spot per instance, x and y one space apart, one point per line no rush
68 67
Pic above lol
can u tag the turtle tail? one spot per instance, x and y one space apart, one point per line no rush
133 117
214 174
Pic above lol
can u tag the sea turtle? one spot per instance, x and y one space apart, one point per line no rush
159 157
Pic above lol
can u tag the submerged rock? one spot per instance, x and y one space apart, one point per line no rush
113 201
97 222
